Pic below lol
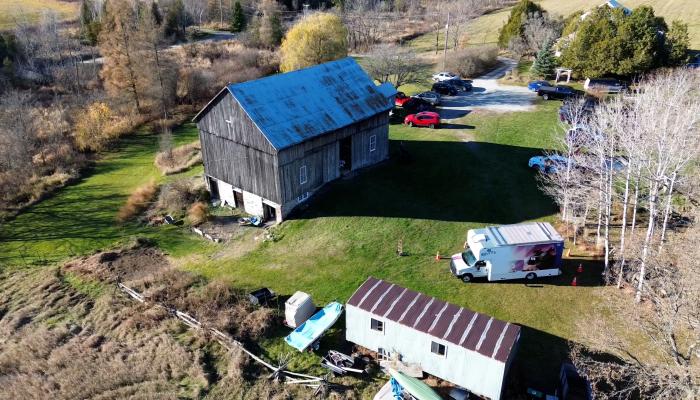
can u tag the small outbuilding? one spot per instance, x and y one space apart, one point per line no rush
469 349
270 143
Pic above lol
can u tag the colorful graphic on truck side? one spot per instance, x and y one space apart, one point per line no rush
537 257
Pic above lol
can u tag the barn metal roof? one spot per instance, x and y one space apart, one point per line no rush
477 332
295 106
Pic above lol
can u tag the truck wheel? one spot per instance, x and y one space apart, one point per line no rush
531 276
466 278
545 96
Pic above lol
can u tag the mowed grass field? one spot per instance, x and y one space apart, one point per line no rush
82 217
485 28
12 11
470 174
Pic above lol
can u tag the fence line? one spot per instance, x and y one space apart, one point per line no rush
229 343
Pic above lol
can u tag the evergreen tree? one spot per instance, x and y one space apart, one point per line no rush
516 21
89 25
677 42
544 62
238 21
155 13
176 20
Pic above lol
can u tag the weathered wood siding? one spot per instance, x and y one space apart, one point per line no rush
321 156
242 130
361 154
238 153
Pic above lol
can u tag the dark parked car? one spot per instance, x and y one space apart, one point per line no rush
444 88
460 84
557 92
431 97
535 85
416 105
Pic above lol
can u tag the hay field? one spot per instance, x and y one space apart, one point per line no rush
14 10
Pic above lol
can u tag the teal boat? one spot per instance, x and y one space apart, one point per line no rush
311 330
413 386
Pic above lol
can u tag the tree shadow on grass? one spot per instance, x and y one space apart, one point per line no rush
447 181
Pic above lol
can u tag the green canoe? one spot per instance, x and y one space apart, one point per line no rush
416 388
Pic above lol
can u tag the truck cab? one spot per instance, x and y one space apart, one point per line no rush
517 251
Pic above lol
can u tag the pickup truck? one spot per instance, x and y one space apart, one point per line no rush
556 92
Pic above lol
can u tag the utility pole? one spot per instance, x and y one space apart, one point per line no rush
447 34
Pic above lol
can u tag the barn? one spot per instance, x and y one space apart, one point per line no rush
270 143
469 349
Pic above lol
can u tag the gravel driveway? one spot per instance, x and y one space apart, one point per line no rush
488 94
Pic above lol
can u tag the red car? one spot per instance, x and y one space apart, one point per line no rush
426 118
401 98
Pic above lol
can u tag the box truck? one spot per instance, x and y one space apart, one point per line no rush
528 250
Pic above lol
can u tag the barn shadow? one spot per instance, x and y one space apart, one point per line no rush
447 181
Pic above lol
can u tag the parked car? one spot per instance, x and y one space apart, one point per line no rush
560 92
567 112
458 394
416 105
548 164
461 84
425 118
536 85
400 99
607 85
444 88
431 97
444 76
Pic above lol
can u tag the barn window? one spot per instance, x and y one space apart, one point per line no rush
302 175
438 348
383 354
303 197
372 143
376 325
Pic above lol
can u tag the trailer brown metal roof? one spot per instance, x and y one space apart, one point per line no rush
458 325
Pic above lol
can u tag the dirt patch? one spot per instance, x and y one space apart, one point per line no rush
135 263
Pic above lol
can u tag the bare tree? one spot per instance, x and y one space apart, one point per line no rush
393 63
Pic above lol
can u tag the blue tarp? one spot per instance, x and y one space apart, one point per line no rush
308 332
295 106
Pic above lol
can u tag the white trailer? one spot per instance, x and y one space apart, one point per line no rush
528 251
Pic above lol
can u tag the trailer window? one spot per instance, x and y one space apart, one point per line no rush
376 325
469 258
437 348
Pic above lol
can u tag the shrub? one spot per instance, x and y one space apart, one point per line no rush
516 21
91 128
138 201
176 196
316 39
198 213
473 61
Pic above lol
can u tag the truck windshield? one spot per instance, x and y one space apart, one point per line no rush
469 258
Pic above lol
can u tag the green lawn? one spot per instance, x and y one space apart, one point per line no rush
468 175
81 218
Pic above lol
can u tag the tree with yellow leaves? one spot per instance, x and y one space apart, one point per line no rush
316 39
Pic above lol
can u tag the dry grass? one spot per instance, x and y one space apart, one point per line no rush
473 61
138 201
179 159
31 10
198 213
59 341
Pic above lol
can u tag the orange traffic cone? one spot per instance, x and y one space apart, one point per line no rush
573 283
580 268
437 256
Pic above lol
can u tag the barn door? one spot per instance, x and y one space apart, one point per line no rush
345 154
